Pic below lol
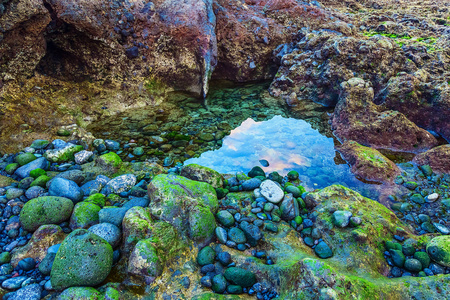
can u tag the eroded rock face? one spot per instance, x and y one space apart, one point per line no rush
437 158
368 163
22 43
357 118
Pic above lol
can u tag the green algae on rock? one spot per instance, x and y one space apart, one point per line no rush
84 215
439 250
45 210
83 259
145 260
203 174
63 155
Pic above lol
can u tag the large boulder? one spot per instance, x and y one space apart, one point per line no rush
368 163
439 250
83 259
437 158
180 201
357 118
45 210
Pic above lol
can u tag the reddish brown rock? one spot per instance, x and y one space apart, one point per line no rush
44 237
22 43
368 163
357 118
423 101
437 158
248 34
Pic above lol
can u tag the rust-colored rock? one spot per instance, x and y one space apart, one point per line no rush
44 237
438 158
368 163
357 118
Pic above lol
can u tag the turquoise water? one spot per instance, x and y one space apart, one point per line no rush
287 144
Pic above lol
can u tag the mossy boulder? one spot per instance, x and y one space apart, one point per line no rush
439 250
145 260
84 215
83 259
65 154
203 174
368 163
177 200
39 144
24 158
45 210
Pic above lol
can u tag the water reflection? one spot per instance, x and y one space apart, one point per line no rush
287 144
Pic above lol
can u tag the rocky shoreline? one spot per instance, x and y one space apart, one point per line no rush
74 219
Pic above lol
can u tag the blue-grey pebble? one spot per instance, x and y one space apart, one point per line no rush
65 188
112 215
34 192
29 292
110 232
24 171
13 283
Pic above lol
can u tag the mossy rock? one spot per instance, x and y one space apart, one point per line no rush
37 172
84 215
145 260
201 224
136 225
40 181
240 277
45 210
203 174
110 159
11 168
97 199
80 293
24 158
83 259
439 250
65 154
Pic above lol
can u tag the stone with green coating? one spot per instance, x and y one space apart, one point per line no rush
295 191
39 144
225 218
97 199
424 258
201 224
398 258
206 256
292 175
6 181
45 210
322 250
84 215
5 257
80 293
341 218
411 185
65 154
24 158
83 259
413 265
37 172
417 198
109 159
256 171
40 181
11 168
408 249
203 174
439 250
240 276
298 220
145 260
112 294
219 284
234 289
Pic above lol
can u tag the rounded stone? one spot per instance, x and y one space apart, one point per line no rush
397 258
224 258
206 256
221 235
27 264
107 231
341 218
439 250
413 265
45 210
424 258
88 257
240 276
271 191
225 218
62 187
219 284
237 235
322 250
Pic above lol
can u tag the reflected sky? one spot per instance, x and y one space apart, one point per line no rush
287 144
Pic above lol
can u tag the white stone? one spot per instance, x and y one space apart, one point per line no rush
82 157
271 191
432 197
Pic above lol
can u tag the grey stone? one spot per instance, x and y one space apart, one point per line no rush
110 232
24 171
65 188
